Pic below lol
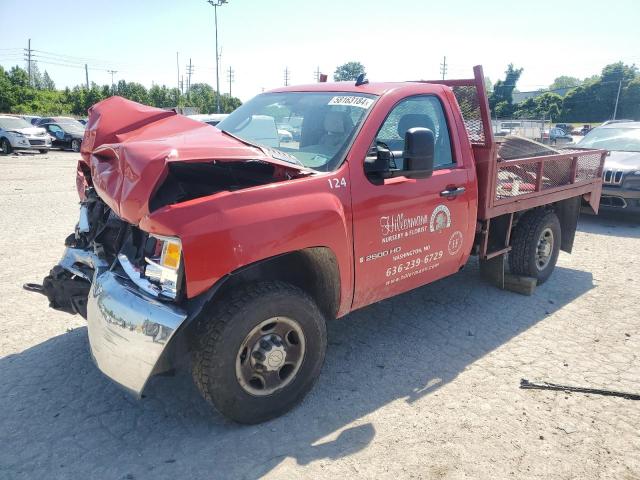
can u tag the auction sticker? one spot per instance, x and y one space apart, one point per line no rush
351 101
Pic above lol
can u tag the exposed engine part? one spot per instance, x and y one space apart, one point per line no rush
188 180
65 291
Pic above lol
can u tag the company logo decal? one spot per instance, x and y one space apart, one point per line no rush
440 218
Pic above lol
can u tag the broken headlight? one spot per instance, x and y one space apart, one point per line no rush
162 266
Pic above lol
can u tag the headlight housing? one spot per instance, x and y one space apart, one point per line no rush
163 266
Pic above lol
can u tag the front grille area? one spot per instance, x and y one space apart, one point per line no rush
617 202
36 142
612 177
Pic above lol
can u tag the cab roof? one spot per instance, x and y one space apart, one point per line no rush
374 88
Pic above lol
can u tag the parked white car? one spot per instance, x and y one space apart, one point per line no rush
18 134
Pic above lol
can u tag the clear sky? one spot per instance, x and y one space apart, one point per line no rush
395 40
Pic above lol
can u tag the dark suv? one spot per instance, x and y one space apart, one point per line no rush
621 174
67 133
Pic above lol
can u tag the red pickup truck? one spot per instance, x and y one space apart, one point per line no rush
231 246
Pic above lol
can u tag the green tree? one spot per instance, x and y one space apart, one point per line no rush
548 106
7 98
37 80
348 72
501 99
564 81
17 96
594 100
630 100
47 82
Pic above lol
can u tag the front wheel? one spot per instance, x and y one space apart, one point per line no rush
43 151
75 145
535 245
261 351
5 146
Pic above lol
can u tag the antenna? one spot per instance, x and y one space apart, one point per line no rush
361 80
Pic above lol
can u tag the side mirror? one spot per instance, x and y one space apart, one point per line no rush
380 164
419 146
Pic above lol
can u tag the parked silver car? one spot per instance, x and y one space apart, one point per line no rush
18 134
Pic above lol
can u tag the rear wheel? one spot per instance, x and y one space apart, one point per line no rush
5 146
535 245
75 145
261 352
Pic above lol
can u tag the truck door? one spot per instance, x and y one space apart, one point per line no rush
409 232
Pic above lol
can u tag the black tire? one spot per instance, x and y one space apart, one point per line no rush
525 258
43 151
75 145
5 146
229 323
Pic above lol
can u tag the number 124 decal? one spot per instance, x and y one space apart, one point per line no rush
337 183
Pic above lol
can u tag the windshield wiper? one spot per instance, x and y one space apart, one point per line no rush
268 151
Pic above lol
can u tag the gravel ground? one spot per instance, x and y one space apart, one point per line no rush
424 385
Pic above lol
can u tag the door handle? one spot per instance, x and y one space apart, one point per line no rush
452 192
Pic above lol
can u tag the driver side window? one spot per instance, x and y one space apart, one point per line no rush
419 111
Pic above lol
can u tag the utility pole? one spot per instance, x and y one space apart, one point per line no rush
181 85
29 60
112 72
189 72
316 74
215 4
230 78
178 67
443 67
286 76
615 110
86 74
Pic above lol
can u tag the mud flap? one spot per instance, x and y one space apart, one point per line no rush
492 270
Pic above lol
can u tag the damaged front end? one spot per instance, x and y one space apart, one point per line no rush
112 274
129 284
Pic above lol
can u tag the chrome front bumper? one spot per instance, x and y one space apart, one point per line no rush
128 330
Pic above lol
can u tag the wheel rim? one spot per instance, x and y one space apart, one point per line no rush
545 249
270 356
75 145
5 148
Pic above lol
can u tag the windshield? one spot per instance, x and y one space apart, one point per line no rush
310 128
9 123
617 139
69 125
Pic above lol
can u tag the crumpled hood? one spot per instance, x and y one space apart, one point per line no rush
128 146
622 161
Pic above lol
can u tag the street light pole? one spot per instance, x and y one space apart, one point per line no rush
216 4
